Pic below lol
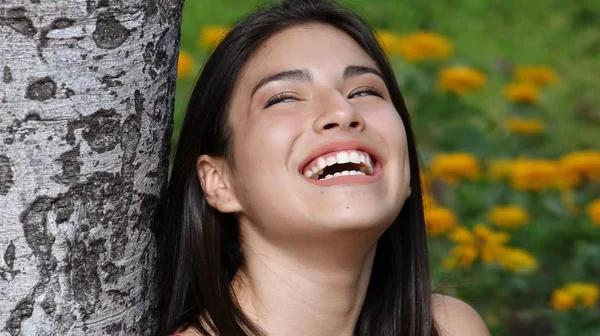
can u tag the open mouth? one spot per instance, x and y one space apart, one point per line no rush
340 163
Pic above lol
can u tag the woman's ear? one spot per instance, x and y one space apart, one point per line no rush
216 181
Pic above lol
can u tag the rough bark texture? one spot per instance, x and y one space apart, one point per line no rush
86 98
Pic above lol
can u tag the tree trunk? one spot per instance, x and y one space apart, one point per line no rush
86 100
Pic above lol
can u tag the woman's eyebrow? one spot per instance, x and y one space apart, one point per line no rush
357 70
288 75
306 75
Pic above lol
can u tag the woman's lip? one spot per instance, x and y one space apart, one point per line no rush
340 146
349 179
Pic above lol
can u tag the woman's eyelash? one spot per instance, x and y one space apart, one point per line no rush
367 89
278 98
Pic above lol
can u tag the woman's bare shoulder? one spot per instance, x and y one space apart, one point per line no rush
191 331
454 317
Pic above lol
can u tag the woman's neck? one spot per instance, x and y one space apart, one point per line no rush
304 290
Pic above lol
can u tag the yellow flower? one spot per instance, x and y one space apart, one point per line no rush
562 300
461 256
211 36
509 216
461 79
490 243
451 167
423 46
481 241
439 220
517 260
538 75
390 42
593 210
525 126
499 169
586 293
522 93
585 164
534 175
185 64
462 235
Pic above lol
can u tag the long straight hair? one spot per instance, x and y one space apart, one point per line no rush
199 247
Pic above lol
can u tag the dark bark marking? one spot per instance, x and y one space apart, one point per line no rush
64 209
70 167
111 81
117 296
41 89
85 282
32 116
62 23
69 92
138 100
130 134
119 239
7 75
113 272
36 235
48 304
40 242
102 130
6 175
9 255
22 310
17 20
109 33
114 329
148 211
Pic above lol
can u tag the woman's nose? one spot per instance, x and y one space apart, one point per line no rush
338 113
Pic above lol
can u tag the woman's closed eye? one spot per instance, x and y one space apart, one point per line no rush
365 91
288 97
283 97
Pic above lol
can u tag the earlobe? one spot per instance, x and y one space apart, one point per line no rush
215 179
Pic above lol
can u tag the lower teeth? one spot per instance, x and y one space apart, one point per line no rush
344 173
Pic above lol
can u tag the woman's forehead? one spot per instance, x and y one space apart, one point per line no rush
316 46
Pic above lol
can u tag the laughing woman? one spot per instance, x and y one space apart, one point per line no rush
294 205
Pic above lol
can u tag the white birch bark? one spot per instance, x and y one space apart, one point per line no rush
86 99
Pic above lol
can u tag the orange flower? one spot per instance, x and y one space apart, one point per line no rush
562 300
508 216
537 75
535 175
452 167
185 64
211 36
593 210
423 46
525 126
390 42
461 79
439 220
526 93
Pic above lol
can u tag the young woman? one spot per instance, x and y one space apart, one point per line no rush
294 205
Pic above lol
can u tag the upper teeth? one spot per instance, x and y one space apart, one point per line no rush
315 169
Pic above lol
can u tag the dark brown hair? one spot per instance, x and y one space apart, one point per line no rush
199 246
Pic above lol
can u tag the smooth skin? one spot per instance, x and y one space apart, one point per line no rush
309 249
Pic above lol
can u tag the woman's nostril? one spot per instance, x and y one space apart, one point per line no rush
330 126
354 124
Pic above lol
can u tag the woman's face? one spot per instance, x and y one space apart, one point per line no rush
310 103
